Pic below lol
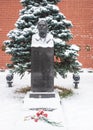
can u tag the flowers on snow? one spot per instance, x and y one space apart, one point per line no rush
43 116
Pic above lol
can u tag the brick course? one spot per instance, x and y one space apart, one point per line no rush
80 12
9 13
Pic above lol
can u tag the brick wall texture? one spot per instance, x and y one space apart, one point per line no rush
80 12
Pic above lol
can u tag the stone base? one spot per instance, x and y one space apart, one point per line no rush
50 103
42 100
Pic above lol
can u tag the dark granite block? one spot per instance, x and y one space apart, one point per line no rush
42 69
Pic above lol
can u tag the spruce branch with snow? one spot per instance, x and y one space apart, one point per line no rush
19 43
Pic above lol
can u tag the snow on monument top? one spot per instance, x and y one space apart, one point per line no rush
37 41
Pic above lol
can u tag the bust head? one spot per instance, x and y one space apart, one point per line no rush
42 28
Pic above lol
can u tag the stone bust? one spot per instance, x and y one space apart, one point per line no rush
42 28
42 38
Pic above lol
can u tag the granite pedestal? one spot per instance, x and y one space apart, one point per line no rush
42 69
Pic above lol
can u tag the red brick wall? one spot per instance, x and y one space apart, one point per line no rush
80 12
9 13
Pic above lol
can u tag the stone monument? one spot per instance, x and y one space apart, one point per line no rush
42 95
42 71
42 59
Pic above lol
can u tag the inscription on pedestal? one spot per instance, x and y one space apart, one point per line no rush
42 95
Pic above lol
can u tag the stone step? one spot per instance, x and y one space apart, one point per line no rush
50 105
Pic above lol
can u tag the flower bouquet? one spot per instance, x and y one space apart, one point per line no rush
43 116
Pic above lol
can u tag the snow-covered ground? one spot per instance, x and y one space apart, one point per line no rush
77 110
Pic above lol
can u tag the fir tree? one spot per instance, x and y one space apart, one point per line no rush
19 43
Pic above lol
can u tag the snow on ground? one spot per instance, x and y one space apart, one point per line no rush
77 109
